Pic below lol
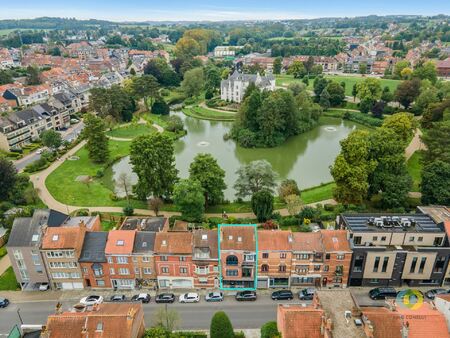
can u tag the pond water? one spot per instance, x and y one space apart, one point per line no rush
305 158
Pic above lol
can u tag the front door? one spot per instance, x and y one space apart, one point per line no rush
88 283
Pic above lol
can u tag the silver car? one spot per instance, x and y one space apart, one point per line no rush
214 297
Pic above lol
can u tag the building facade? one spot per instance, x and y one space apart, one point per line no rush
119 255
233 89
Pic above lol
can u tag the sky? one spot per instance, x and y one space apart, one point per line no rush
194 10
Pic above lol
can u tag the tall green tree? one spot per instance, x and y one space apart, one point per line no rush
207 171
369 89
33 76
97 142
221 326
188 197
435 186
254 177
145 87
277 63
352 168
336 92
153 160
51 139
402 124
8 178
297 69
426 71
437 142
262 205
193 82
407 91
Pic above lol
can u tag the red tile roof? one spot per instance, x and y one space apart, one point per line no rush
238 238
279 240
120 242
63 238
307 241
173 243
335 240
296 321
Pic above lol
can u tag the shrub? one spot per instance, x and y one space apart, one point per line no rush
269 330
239 334
221 326
100 173
288 187
270 225
160 107
113 197
262 205
289 221
174 124
308 213
329 207
128 211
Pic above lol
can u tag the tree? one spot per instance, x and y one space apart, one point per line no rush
254 177
316 70
155 204
402 124
407 91
426 71
188 197
354 91
324 100
378 109
277 64
387 96
296 88
426 97
336 92
293 204
51 139
34 76
288 187
5 77
145 87
161 70
160 107
297 69
221 326
435 183
207 171
153 160
370 89
193 82
320 83
8 178
97 142
262 205
212 77
399 66
166 319
270 330
437 142
352 168
124 183
363 68
187 47
175 124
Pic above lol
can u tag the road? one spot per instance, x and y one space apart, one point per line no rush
243 315
69 134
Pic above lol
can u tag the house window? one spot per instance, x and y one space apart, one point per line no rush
182 259
265 255
110 260
327 256
316 267
264 268
100 282
122 260
422 264
232 260
134 258
439 266
164 258
164 269
111 271
375 238
374 280
282 255
357 240
301 269
340 257
282 268
420 239
146 259
147 271
437 241
383 238
302 256
385 264
325 268
413 265
183 270
137 271
376 264
231 272
124 271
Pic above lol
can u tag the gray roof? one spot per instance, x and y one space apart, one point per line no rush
144 241
25 229
94 247
260 81
75 221
153 224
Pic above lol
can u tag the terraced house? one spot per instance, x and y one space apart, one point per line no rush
119 253
205 259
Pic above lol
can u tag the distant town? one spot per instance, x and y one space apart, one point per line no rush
285 178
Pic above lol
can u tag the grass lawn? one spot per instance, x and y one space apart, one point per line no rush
8 280
208 114
131 131
285 80
62 184
319 193
414 169
3 251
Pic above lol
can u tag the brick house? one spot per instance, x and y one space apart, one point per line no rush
144 258
61 249
173 260
205 259
338 257
238 256
93 263
119 252
274 258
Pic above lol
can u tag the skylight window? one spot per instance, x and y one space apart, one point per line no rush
120 242
55 238
35 238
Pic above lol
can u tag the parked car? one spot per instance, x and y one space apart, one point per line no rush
306 294
91 300
165 298
382 293
142 297
246 296
431 294
3 302
43 287
282 295
190 297
118 298
214 297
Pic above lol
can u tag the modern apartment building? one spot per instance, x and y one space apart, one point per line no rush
396 250
119 253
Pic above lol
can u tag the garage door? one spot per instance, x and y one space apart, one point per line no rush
77 285
182 283
67 286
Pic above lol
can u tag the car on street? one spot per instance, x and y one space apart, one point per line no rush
43 287
3 302
306 294
431 294
214 297
118 298
382 293
165 298
246 296
190 297
282 295
91 300
142 297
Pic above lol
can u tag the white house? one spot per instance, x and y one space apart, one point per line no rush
233 89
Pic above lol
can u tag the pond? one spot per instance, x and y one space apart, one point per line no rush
305 158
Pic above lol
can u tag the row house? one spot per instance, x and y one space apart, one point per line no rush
238 246
27 96
144 258
93 263
205 259
397 249
119 255
61 249
173 259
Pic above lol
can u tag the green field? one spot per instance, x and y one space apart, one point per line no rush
414 167
8 280
208 114
131 131
285 80
4 32
319 193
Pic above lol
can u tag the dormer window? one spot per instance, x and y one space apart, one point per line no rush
144 244
120 243
164 242
35 238
55 238
204 237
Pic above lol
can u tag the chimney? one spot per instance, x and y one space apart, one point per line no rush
405 330
82 224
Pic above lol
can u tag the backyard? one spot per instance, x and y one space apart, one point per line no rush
8 280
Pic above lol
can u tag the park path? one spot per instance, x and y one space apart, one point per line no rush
415 144
5 263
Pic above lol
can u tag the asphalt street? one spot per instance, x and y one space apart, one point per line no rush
197 316
67 135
